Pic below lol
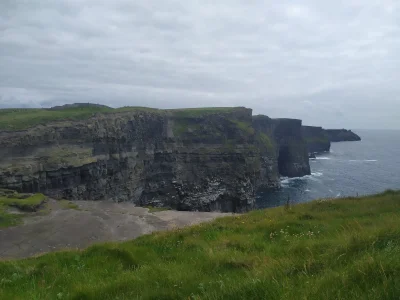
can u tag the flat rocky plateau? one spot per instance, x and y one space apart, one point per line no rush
95 221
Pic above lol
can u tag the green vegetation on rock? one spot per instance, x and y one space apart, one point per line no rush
66 204
244 126
18 119
327 249
23 202
66 156
183 125
8 219
201 111
265 141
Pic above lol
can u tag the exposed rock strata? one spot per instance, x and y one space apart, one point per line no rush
187 161
289 144
317 139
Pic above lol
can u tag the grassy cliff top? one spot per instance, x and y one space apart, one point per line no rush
19 119
327 249
201 111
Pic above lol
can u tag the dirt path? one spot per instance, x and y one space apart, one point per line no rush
94 222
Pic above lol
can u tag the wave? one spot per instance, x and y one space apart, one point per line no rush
322 158
286 180
317 174
363 160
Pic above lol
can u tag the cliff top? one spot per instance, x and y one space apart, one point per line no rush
318 250
22 118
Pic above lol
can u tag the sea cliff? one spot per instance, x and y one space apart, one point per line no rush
192 159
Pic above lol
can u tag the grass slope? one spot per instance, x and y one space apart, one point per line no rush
19 119
340 249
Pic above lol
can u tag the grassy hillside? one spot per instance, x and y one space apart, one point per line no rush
18 119
340 249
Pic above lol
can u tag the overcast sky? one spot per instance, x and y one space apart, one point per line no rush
330 63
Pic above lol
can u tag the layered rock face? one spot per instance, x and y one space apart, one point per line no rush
186 160
317 139
290 146
342 135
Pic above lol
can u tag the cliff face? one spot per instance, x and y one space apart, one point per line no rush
290 146
317 139
186 159
341 135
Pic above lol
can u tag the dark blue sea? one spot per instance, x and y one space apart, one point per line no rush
351 168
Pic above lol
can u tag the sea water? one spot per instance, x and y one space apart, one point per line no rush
349 169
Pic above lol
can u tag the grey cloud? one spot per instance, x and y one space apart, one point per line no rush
329 63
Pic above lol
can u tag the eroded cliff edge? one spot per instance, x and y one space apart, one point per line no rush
196 159
317 139
342 135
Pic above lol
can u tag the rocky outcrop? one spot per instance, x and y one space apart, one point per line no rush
342 135
289 144
211 159
317 139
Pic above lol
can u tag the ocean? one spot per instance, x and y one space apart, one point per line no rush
349 169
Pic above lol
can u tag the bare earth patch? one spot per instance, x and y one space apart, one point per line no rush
93 222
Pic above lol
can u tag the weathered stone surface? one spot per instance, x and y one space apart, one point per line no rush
342 135
317 139
214 161
290 146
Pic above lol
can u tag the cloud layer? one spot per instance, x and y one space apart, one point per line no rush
329 63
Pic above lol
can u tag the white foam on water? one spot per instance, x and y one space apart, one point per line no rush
317 174
322 158
307 190
285 181
363 160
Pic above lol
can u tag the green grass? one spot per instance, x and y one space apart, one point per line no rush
201 111
266 142
66 204
7 219
18 119
184 125
10 198
341 249
244 126
185 120
24 202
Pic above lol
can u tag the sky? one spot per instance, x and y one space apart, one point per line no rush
330 63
